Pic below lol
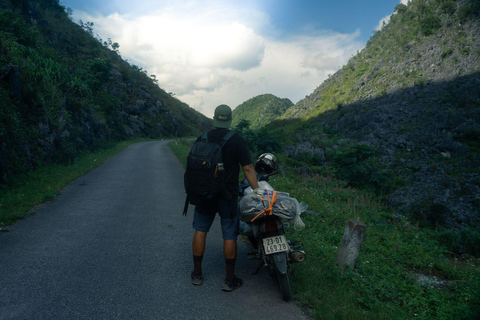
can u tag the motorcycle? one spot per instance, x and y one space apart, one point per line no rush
267 236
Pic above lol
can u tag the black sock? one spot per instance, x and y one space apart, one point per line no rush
197 264
230 269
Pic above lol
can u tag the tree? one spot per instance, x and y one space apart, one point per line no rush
88 26
242 125
115 47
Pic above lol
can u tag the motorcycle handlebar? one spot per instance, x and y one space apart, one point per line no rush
260 177
265 176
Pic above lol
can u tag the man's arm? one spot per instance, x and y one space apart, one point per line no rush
249 173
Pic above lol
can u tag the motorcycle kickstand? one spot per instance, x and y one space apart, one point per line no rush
260 265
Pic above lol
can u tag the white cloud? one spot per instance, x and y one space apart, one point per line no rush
211 55
386 20
232 46
383 21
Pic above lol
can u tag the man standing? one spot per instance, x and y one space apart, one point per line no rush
234 155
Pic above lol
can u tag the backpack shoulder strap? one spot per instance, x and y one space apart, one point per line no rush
205 137
226 137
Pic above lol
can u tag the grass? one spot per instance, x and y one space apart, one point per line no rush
181 148
395 253
36 187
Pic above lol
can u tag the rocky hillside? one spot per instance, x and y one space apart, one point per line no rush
261 110
412 98
64 91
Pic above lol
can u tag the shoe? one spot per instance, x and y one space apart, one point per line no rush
229 286
197 279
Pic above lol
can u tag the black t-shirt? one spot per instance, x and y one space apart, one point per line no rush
234 154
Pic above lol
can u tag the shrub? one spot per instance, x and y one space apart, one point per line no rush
471 138
470 239
400 8
461 242
12 25
446 52
260 140
429 25
358 166
98 73
469 11
448 6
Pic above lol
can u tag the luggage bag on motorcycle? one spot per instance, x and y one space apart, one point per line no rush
254 208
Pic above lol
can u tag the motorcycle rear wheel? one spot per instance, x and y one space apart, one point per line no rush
284 284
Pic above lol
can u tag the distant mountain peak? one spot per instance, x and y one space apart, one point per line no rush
261 110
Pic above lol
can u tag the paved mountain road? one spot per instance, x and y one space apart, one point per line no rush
114 245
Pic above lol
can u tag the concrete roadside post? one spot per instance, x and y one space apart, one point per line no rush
351 243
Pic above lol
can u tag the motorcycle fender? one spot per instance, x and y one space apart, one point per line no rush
280 260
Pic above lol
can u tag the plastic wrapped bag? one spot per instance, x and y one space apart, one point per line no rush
297 221
253 207
262 185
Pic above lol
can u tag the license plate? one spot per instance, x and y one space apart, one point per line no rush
275 244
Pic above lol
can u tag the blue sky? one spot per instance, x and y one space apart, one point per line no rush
212 52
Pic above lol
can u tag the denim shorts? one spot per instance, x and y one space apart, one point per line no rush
229 218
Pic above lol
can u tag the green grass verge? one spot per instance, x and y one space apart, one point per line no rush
395 254
181 148
41 185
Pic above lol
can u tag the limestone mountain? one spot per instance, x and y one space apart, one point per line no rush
407 107
65 91
260 110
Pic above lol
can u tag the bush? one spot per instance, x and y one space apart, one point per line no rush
12 25
357 165
265 142
429 25
448 7
446 52
470 239
469 11
471 138
258 141
400 8
464 241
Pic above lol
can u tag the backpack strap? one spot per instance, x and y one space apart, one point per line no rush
205 137
226 194
185 208
224 140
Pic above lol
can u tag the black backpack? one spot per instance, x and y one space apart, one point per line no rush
204 177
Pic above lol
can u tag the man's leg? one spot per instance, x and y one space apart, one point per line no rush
230 253
198 243
198 249
230 233
201 224
230 220
230 249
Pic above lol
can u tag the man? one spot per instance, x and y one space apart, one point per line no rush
234 155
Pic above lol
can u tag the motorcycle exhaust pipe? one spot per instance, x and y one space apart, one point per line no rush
297 256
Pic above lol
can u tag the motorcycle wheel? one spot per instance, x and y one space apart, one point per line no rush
284 283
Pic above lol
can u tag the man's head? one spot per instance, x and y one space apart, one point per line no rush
222 117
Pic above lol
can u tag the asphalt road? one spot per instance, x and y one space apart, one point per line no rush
114 245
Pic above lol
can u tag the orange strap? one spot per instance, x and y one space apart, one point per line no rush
267 211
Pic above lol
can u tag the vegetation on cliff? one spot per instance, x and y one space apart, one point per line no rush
404 115
65 92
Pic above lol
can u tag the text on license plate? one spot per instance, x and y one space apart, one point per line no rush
275 244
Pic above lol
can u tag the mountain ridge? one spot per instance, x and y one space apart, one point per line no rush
260 110
413 96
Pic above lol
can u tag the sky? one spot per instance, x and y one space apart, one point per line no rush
212 52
